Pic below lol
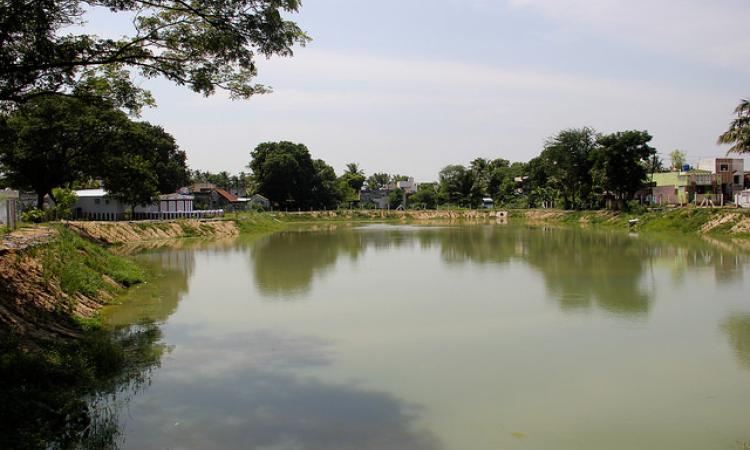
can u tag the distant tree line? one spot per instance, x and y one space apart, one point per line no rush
577 168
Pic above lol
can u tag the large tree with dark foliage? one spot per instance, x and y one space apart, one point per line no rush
567 163
55 141
621 163
203 44
286 174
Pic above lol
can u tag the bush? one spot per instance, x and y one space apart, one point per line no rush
635 207
65 199
35 215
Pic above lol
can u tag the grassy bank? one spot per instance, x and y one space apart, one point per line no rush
85 268
718 222
256 222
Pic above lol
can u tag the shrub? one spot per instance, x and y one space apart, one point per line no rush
35 215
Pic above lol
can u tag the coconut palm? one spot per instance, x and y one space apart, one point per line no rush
739 130
353 168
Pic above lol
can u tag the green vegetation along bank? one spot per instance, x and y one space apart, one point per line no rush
718 222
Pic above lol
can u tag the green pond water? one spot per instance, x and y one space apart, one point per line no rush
481 337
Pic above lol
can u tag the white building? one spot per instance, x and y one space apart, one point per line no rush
742 199
96 204
408 186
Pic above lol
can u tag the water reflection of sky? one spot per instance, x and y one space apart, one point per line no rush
240 391
479 337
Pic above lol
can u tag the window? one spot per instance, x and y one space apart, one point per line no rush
106 201
736 179
97 201
723 167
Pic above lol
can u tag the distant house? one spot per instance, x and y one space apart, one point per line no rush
96 204
208 195
731 172
377 197
259 201
409 186
9 208
680 188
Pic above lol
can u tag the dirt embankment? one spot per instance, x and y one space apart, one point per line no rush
126 232
34 307
52 279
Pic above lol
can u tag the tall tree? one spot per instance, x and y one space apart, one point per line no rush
456 183
160 150
286 174
53 141
354 169
326 192
677 157
566 159
378 180
203 44
620 163
738 134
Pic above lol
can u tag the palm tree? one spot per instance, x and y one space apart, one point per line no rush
739 130
353 168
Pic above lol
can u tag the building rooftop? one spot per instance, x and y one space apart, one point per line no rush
90 193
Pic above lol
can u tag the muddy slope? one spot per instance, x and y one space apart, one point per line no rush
125 232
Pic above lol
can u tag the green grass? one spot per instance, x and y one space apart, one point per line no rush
678 220
255 222
79 265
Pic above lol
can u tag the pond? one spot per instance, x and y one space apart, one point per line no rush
479 337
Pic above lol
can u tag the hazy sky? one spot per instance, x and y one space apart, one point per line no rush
409 86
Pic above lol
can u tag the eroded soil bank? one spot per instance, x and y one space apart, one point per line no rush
51 286
126 232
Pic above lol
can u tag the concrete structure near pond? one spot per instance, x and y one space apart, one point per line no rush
742 199
9 208
97 204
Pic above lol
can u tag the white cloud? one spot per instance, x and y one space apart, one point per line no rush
704 31
408 116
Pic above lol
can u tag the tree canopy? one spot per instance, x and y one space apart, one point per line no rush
203 44
54 141
286 174
620 163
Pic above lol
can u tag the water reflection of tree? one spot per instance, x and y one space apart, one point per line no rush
581 268
170 270
737 328
286 263
66 398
